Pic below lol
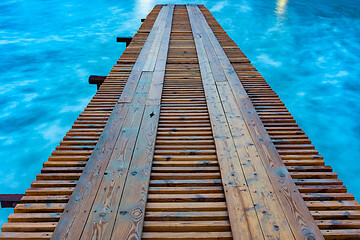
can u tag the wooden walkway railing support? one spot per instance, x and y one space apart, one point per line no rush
126 40
10 200
98 80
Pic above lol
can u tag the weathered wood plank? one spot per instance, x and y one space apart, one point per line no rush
78 209
243 218
29 227
25 235
130 215
300 219
155 91
271 217
102 216
139 151
187 235
155 34
155 48
83 195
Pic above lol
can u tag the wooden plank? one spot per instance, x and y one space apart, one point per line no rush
269 212
294 207
243 218
130 215
25 235
193 226
338 224
341 234
29 227
139 150
155 91
103 211
271 216
34 217
85 191
187 235
129 130
39 207
78 209
157 43
186 207
139 66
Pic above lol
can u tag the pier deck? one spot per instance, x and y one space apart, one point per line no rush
184 139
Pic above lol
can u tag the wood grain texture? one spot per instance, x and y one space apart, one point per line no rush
319 185
149 51
299 218
243 218
130 215
260 169
102 216
116 160
269 212
185 192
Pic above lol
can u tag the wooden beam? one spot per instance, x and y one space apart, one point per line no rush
256 138
10 200
126 40
94 203
98 80
242 214
268 211
141 61
131 212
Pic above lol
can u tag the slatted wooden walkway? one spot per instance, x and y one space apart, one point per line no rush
185 140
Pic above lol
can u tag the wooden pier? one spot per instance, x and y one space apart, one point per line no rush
184 139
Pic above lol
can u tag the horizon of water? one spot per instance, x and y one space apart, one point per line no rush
308 51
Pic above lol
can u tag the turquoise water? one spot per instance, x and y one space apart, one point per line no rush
309 51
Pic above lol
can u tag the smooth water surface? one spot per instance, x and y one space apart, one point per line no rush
309 52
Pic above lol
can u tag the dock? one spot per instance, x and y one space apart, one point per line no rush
184 139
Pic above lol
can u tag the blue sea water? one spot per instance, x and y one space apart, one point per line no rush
309 52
